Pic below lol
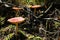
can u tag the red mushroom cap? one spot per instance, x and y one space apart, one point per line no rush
16 20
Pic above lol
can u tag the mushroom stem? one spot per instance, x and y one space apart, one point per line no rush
16 28
17 13
34 10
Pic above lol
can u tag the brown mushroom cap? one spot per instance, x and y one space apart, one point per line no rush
36 6
16 8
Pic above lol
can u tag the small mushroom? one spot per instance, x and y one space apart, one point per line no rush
15 21
17 10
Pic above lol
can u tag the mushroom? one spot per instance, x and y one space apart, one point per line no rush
15 21
17 10
35 7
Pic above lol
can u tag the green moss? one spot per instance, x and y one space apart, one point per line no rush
8 37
